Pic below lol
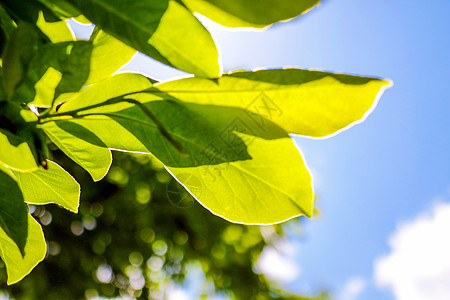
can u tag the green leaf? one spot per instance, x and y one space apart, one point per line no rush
66 67
61 8
7 27
15 152
18 266
309 103
82 146
234 130
247 13
53 185
55 31
63 65
115 86
28 10
20 140
108 56
13 211
271 187
7 24
164 30
220 142
44 88
17 56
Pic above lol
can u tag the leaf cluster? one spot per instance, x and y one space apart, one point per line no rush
223 136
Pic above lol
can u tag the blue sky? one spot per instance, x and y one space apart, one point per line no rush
393 166
384 172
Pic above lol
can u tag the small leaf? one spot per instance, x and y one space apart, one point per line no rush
69 64
247 13
53 185
18 266
115 86
20 140
45 88
15 152
108 56
56 31
17 56
13 210
164 30
304 102
82 146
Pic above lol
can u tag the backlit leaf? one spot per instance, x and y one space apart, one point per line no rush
18 266
304 102
15 152
13 211
164 30
82 146
271 187
55 31
248 13
225 149
108 56
54 185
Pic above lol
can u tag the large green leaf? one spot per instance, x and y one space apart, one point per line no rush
225 147
18 266
309 103
53 185
82 146
164 30
249 13
13 210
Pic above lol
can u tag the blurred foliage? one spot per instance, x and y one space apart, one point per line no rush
136 235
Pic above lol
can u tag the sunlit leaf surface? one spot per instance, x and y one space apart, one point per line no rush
53 185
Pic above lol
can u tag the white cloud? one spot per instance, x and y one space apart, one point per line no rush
352 289
278 263
418 267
